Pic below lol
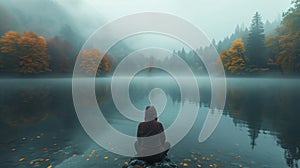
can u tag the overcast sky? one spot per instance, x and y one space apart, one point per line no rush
217 18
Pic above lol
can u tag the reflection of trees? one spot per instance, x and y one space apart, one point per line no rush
255 104
24 105
263 105
103 91
288 119
246 109
26 102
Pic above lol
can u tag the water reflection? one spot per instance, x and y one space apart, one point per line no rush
272 106
263 106
25 104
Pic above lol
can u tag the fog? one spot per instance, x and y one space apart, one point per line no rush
217 19
50 18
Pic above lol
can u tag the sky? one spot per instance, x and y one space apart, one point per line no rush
217 18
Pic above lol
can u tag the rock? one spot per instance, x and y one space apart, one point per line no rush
165 163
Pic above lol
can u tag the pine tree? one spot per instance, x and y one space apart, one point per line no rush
255 43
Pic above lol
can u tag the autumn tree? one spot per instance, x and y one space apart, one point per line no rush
234 59
272 50
89 59
25 53
289 55
107 63
284 47
291 17
33 57
9 50
61 52
255 41
272 46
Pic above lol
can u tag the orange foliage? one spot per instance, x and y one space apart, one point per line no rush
288 57
27 52
9 42
89 61
234 58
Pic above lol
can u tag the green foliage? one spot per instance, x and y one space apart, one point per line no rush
240 32
278 51
255 41
236 61
190 57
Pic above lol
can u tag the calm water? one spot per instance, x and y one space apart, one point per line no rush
260 126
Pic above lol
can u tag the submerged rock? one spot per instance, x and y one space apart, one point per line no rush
165 163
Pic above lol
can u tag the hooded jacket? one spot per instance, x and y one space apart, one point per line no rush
154 129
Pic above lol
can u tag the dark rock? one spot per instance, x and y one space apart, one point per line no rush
135 163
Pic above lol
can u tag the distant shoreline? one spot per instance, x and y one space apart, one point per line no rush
39 75
70 75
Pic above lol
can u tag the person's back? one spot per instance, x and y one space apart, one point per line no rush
151 128
155 141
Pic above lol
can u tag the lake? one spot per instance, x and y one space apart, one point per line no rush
259 127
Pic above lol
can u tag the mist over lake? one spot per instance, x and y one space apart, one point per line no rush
86 83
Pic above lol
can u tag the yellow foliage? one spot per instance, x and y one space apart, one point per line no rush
9 42
89 60
28 51
237 48
234 58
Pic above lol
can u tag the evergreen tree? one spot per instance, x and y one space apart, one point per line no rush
255 43
240 32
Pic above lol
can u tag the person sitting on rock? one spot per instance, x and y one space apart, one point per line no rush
151 145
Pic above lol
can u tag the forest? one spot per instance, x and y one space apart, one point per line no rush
248 51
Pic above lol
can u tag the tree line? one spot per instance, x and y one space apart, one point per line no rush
256 51
31 53
279 51
52 44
